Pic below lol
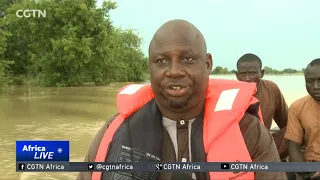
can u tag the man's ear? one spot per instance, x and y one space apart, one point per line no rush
209 63
262 73
237 75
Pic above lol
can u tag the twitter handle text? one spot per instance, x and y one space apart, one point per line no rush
112 167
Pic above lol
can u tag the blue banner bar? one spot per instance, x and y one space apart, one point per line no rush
42 150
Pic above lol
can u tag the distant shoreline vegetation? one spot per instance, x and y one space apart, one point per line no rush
219 70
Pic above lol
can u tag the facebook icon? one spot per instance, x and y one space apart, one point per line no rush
22 166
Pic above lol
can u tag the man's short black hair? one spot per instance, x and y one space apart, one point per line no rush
315 62
249 57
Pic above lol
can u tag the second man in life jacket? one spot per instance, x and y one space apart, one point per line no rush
184 116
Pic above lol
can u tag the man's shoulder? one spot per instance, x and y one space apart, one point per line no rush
299 103
248 122
257 137
269 84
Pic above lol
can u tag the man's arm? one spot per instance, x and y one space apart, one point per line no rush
295 152
281 109
296 156
91 155
260 145
294 134
281 118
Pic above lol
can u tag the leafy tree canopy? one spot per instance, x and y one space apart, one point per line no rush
74 43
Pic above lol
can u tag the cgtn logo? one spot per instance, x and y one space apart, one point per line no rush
34 13
42 151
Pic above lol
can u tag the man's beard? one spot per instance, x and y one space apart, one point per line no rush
178 104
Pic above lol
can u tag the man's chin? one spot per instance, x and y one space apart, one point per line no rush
317 98
178 102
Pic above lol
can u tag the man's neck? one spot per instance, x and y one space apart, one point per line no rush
186 114
317 102
258 85
168 119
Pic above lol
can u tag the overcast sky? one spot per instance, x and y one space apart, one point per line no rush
283 33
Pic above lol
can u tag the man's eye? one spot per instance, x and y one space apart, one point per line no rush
160 61
310 81
188 59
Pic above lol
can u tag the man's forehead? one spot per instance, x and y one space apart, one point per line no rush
176 29
177 35
174 46
249 64
313 71
175 41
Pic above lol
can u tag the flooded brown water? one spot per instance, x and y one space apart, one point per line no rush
73 114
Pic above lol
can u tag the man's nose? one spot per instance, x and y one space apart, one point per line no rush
247 78
175 69
316 84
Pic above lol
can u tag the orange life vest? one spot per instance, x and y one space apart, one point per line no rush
226 104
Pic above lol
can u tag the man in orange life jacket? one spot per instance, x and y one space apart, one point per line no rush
184 116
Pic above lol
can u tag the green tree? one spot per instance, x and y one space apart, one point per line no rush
4 4
233 71
289 71
73 44
127 55
220 70
4 63
268 70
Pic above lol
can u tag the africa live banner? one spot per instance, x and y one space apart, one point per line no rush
53 156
